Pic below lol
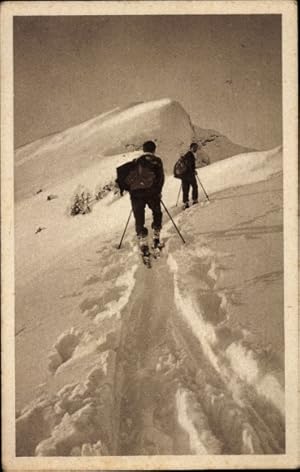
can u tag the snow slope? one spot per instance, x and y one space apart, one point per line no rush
65 154
35 252
185 358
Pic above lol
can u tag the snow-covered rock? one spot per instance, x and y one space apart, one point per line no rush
217 146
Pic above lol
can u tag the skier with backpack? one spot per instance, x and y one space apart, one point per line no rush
144 178
185 169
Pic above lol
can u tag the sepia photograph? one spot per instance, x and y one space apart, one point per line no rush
150 290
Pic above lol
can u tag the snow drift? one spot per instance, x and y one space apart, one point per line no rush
242 169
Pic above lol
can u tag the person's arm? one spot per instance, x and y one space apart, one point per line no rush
120 186
160 175
122 173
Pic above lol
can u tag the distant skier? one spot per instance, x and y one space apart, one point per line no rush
189 177
185 170
144 179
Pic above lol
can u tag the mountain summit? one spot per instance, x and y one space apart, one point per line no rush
54 158
63 155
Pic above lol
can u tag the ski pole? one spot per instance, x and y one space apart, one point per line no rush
119 247
173 221
202 188
178 194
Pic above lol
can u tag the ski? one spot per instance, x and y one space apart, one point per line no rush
156 250
200 204
146 256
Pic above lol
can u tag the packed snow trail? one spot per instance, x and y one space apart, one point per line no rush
147 419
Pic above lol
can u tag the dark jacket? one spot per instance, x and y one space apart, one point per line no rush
154 163
191 164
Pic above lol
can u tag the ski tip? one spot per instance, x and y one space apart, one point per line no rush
146 261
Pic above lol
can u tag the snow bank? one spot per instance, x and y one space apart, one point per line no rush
35 252
127 282
240 392
71 345
193 420
227 407
242 169
243 362
236 171
78 420
191 312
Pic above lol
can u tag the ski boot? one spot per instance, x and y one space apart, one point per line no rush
195 202
185 206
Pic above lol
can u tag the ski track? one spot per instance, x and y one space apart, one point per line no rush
246 386
162 385
149 372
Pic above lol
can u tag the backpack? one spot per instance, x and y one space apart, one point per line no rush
180 168
122 173
142 176
136 175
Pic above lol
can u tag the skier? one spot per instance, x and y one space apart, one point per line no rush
144 179
189 177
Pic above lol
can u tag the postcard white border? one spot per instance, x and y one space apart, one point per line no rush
288 10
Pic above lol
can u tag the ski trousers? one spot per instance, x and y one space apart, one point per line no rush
189 181
138 207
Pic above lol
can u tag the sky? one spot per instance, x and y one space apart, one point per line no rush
225 70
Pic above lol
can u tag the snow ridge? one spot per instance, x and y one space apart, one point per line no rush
67 154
